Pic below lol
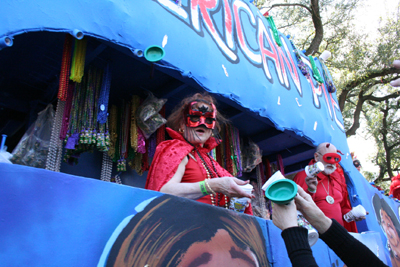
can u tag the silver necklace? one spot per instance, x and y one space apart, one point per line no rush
328 198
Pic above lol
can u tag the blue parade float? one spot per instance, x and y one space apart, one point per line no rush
226 48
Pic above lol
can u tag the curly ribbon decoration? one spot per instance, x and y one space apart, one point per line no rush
316 73
274 30
329 82
300 63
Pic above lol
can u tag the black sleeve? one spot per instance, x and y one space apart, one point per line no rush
298 249
351 251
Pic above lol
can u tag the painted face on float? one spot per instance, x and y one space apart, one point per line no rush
391 233
329 158
200 118
221 250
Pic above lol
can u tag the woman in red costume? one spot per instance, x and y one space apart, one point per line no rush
183 167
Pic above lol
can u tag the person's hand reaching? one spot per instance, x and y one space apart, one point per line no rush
284 216
311 212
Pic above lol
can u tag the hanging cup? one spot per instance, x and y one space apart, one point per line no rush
154 53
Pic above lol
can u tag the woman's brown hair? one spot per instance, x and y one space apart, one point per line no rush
177 117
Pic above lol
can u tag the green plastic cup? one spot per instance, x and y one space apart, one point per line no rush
154 53
281 191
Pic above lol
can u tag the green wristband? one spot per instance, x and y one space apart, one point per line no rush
203 188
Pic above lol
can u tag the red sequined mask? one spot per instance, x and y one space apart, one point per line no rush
202 115
332 158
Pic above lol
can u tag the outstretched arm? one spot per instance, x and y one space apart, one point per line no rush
350 250
295 237
229 186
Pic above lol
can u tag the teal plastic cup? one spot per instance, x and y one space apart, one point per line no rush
281 191
154 53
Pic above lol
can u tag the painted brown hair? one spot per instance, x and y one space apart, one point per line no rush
161 234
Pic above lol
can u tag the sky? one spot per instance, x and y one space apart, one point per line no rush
368 20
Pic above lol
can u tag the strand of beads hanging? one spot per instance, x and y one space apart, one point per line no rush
316 73
55 142
83 128
78 60
65 68
67 112
104 95
121 165
274 30
134 128
113 130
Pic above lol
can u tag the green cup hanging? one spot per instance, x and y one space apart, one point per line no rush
154 53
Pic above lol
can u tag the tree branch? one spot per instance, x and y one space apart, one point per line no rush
288 5
381 99
319 28
369 76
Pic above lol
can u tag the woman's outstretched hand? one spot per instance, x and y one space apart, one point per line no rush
311 212
229 186
284 216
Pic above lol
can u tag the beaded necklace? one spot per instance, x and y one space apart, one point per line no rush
113 130
78 60
134 129
210 175
104 96
65 68
67 111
